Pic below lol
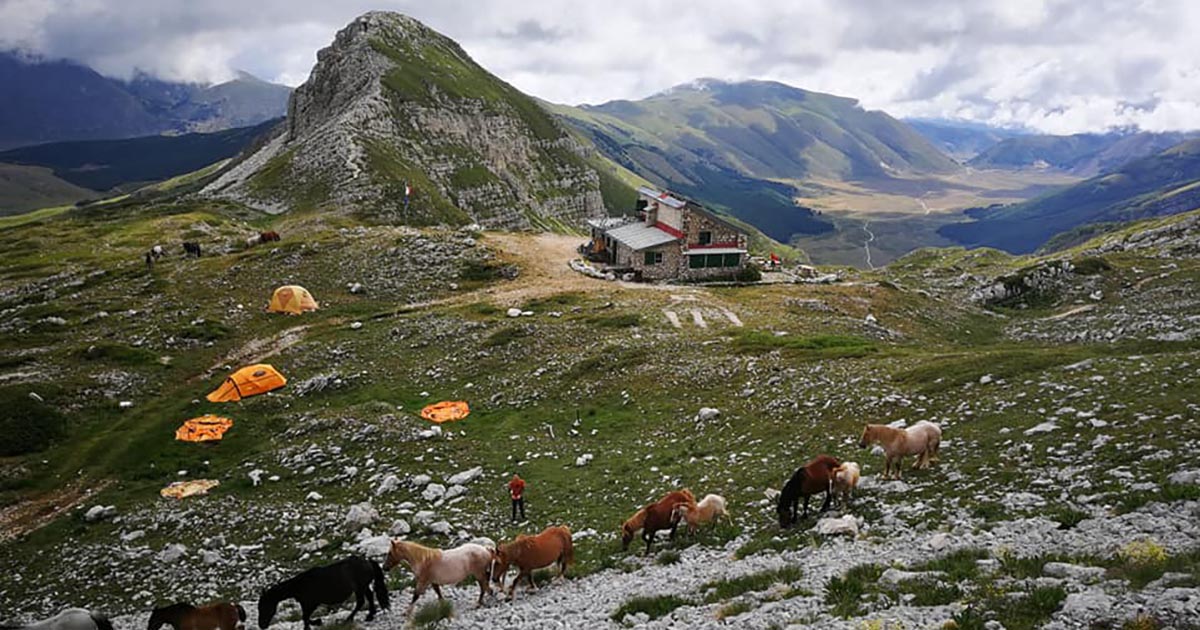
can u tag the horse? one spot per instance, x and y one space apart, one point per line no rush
267 237
814 478
921 439
845 480
157 251
708 510
437 567
183 616
69 619
656 516
329 585
191 249
552 546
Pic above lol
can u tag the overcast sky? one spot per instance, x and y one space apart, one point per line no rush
1058 66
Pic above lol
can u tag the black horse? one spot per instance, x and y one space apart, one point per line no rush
191 249
329 585
814 478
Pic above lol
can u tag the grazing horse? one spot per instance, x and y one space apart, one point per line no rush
921 439
329 585
656 516
191 249
814 478
709 510
437 567
529 553
845 480
182 616
157 251
70 619
267 237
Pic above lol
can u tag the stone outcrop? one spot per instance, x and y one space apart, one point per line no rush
391 102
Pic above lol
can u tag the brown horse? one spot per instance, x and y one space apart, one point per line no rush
268 237
921 439
529 553
656 516
182 616
814 478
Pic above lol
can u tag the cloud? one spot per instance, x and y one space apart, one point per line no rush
1055 65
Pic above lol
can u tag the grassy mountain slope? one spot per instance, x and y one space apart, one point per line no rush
25 188
727 143
611 375
1161 184
108 164
1081 154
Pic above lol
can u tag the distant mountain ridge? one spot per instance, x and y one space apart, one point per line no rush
1085 154
961 140
57 100
1161 184
737 144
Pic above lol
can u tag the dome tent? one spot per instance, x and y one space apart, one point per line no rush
292 299
446 411
248 381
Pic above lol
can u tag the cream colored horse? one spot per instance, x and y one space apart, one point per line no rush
437 568
710 509
921 439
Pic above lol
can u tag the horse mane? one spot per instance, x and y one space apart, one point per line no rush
176 606
415 553
636 521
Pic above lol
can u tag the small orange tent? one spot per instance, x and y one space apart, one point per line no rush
446 411
292 299
181 489
248 381
207 428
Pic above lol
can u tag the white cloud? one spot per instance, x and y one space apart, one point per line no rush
1055 65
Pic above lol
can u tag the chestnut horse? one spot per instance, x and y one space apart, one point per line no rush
814 478
552 546
182 616
656 516
921 439
437 567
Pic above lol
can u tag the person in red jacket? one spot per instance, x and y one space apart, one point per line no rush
516 489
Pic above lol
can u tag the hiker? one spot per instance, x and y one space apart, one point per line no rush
516 489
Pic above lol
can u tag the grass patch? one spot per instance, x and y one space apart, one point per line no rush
930 592
433 613
505 336
28 425
627 320
1143 562
1023 612
118 353
958 565
844 593
654 607
734 609
821 346
1166 494
753 582
667 557
206 330
1067 517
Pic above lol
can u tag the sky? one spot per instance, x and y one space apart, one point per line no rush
1054 66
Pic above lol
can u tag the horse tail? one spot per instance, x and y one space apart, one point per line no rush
568 555
241 612
381 590
102 622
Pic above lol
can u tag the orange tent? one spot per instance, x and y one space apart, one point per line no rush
181 489
292 299
446 411
248 381
207 428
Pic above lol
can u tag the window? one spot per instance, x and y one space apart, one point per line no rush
706 238
653 258
733 260
695 262
713 260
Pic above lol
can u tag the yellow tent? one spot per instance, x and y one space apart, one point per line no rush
207 428
446 411
181 489
292 299
248 381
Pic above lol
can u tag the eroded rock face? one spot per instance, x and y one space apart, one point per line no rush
391 102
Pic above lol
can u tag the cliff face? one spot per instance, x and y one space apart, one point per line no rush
392 102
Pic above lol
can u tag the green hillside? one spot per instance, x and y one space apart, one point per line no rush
1153 186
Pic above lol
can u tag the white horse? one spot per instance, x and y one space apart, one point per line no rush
708 510
69 619
438 568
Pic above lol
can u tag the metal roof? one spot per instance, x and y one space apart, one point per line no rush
640 236
609 222
714 250
661 197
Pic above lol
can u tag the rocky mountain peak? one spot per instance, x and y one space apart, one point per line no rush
392 103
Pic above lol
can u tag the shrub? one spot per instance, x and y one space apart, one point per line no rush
28 425
844 594
761 581
1090 266
734 609
749 273
433 613
654 607
667 557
